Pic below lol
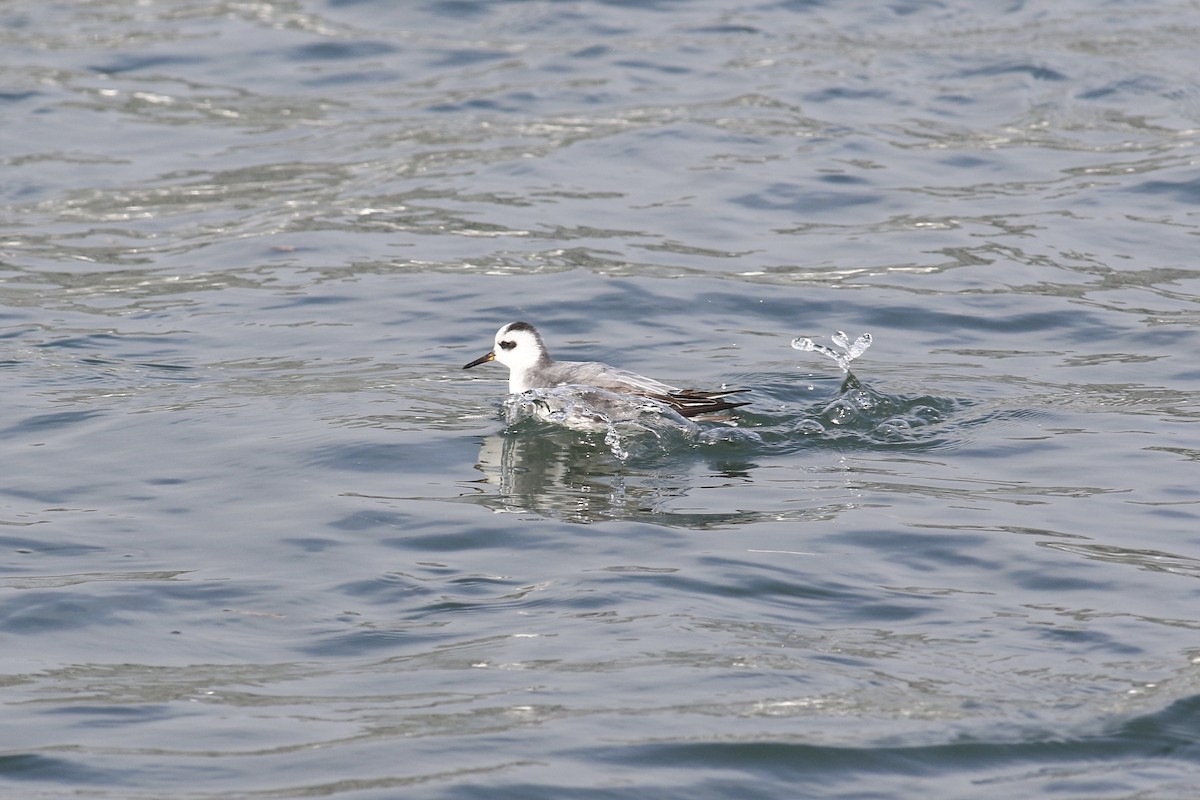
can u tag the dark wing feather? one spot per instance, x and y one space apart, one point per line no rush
693 402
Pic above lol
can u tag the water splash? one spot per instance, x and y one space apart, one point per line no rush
862 416
851 350
585 408
628 423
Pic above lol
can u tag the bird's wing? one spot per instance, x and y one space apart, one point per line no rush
603 376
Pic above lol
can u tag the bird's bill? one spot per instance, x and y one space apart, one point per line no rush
482 360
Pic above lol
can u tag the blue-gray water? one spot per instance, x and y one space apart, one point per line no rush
264 538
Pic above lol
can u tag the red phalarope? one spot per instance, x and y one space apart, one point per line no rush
520 348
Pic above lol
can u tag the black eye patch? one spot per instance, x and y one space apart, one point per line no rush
507 345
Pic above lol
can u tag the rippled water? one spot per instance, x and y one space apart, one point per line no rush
265 538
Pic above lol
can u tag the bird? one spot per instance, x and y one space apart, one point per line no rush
519 347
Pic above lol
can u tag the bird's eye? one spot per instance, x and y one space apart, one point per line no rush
507 345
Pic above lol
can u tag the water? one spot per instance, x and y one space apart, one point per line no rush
263 537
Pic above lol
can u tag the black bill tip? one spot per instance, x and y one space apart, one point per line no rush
481 360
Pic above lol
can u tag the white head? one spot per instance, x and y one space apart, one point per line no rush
519 347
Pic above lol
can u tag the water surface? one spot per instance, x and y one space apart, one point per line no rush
265 538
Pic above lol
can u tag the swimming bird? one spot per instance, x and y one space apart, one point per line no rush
519 347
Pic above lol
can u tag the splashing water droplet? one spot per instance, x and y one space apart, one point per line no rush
803 344
613 440
841 340
859 347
